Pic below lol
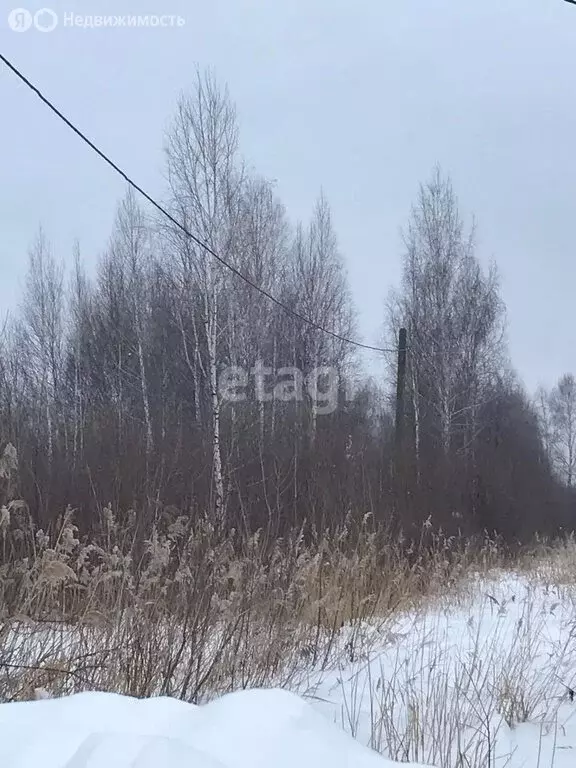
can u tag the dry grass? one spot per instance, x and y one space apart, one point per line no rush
185 610
190 612
551 562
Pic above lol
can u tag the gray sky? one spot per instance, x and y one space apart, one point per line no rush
361 98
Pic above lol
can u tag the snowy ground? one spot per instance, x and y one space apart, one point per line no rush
480 681
484 681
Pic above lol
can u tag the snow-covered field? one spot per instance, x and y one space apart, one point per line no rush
482 680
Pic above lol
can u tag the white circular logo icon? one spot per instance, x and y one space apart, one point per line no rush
45 20
20 20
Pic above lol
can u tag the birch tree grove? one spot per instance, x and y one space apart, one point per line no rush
454 317
453 314
161 381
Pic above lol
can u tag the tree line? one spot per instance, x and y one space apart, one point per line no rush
111 386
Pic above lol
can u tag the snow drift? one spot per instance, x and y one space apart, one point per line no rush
249 729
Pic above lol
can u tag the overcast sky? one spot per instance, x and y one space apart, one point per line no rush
361 98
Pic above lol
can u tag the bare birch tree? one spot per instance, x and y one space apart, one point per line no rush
321 294
130 246
562 405
43 333
205 183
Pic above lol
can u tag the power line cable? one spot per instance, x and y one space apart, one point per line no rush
176 223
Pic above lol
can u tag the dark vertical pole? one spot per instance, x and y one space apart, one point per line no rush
400 383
